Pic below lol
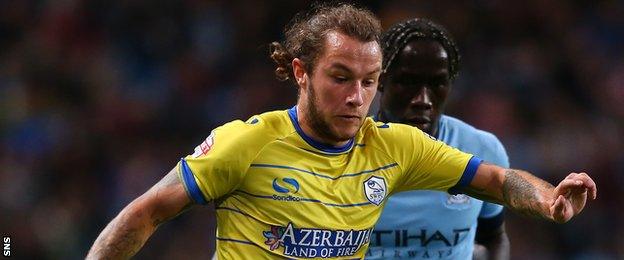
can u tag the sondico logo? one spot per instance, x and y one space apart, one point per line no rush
294 185
288 186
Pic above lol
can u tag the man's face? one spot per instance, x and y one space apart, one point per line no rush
416 85
338 94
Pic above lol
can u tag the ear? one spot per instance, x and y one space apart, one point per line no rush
299 72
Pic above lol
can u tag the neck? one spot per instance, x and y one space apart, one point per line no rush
304 121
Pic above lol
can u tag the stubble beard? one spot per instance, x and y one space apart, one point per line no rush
318 125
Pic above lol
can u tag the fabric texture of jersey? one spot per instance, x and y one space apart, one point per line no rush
433 224
280 194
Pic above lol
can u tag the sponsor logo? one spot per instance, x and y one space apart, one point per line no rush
396 253
422 237
205 146
294 185
286 186
286 198
310 243
420 243
375 189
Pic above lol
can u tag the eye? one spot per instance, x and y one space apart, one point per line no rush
340 79
369 82
442 81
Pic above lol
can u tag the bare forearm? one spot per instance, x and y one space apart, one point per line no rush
527 194
518 190
124 236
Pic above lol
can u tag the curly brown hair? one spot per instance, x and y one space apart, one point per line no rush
305 34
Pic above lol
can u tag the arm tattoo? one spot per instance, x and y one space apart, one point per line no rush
130 239
523 195
118 240
127 233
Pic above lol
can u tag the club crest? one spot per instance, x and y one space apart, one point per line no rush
375 189
458 202
458 199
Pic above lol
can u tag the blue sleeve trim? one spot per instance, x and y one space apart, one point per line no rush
470 171
467 176
191 184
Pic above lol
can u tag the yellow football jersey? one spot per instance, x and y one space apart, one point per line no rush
280 194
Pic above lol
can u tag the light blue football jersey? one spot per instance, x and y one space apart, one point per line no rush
433 224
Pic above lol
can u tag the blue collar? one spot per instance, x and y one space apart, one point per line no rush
441 123
292 113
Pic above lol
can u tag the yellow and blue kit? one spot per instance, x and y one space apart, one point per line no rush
280 194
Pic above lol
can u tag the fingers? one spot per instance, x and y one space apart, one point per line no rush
570 196
589 183
583 180
558 210
566 186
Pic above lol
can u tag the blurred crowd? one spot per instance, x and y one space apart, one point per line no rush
99 99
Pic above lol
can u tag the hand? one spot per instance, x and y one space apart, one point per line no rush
570 196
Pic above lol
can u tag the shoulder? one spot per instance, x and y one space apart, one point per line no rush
390 132
252 134
266 125
393 138
275 121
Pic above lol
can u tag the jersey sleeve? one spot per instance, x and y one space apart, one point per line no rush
431 164
490 210
218 164
491 217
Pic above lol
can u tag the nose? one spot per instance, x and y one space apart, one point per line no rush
422 99
355 97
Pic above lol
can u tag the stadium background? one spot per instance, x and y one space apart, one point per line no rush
99 99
